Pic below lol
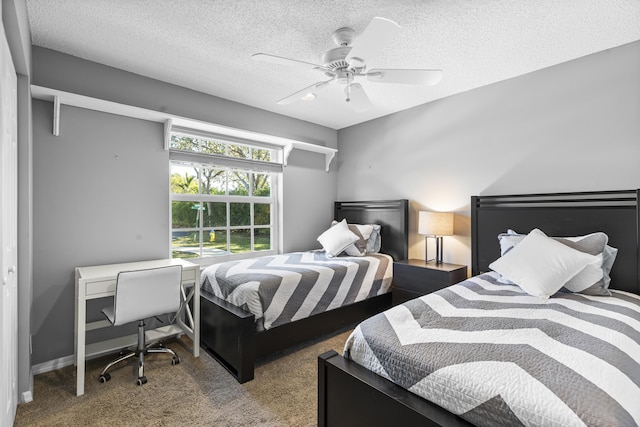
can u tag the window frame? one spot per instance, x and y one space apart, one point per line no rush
198 159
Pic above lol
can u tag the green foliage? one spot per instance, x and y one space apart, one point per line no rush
184 214
215 214
187 184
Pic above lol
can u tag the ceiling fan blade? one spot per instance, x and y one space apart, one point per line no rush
378 33
304 92
407 76
274 59
357 97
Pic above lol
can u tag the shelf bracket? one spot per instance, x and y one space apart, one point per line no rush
168 124
287 150
327 159
56 115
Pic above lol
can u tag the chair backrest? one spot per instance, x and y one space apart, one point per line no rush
141 294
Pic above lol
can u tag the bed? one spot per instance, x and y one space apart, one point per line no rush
350 394
234 338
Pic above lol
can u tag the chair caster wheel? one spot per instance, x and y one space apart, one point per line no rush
104 378
175 360
141 380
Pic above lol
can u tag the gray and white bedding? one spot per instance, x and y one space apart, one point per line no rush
495 355
283 288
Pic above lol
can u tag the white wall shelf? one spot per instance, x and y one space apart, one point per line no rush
59 97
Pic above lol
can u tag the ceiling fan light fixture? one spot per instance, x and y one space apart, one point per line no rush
348 63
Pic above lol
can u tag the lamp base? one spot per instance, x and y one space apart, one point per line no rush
439 247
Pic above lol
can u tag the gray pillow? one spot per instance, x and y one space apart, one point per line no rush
364 232
375 240
593 244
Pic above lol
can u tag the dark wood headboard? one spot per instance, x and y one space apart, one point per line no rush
561 214
393 217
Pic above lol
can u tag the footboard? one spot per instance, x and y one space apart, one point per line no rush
228 333
349 394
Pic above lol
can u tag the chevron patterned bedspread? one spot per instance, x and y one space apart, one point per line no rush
498 357
283 288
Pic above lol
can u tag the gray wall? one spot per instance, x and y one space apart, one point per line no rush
101 162
100 196
572 127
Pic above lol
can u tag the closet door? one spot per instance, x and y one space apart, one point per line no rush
8 236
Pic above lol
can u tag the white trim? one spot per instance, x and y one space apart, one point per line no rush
27 397
67 98
52 365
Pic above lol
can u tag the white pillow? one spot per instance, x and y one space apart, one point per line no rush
541 265
592 280
337 238
363 231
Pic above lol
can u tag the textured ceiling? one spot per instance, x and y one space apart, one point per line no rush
207 45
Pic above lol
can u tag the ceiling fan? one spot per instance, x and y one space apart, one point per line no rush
347 63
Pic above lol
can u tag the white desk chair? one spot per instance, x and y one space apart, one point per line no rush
140 295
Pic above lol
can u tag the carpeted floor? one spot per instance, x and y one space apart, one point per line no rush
196 392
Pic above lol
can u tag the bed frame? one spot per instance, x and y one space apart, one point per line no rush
228 333
349 394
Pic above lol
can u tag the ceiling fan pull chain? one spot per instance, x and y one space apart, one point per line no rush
348 88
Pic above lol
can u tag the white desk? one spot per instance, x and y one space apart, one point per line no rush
100 281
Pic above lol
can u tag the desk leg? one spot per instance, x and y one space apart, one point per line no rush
81 325
196 315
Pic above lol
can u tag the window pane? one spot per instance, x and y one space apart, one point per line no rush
239 183
183 142
261 154
214 181
240 240
208 224
240 151
214 243
261 214
215 214
213 147
262 239
185 214
185 244
240 214
184 178
261 184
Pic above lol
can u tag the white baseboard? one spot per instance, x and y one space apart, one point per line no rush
52 365
61 362
27 397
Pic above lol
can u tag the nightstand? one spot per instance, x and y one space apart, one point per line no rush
414 278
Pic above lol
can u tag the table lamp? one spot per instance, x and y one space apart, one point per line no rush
436 225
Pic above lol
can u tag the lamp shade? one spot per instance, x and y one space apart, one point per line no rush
435 223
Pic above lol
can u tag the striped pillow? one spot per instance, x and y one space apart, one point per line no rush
359 247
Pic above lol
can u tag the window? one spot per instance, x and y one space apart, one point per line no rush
223 196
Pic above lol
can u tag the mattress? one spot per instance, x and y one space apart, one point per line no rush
283 288
494 355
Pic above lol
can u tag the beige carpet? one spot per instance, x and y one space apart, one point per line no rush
196 392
